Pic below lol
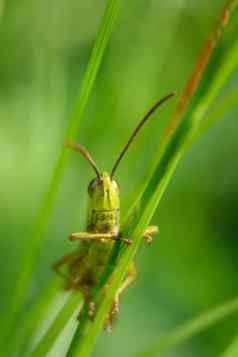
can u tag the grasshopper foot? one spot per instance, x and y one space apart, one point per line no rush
149 233
112 314
91 310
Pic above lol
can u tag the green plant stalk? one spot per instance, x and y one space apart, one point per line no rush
53 332
86 335
190 329
42 218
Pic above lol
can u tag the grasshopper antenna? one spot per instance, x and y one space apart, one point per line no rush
85 154
137 129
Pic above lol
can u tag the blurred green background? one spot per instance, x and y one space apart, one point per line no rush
193 265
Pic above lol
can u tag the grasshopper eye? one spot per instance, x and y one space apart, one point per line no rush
92 187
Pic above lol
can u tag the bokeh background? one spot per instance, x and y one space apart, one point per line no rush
193 265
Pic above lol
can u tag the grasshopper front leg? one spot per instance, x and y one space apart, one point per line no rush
98 236
147 235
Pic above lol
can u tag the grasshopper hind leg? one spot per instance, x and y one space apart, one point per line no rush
68 260
73 281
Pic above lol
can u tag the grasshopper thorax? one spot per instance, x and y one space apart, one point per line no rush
104 204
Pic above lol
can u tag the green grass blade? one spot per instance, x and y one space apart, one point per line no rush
87 332
48 340
42 219
190 329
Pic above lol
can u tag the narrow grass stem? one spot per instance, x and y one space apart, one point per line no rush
53 332
43 216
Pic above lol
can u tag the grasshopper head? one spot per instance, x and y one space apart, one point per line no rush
104 190
104 193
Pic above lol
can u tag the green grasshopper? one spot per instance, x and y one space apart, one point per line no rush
86 265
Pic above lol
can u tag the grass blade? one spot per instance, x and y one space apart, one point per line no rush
42 218
190 329
48 340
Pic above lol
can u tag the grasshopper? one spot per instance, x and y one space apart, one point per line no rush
86 264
